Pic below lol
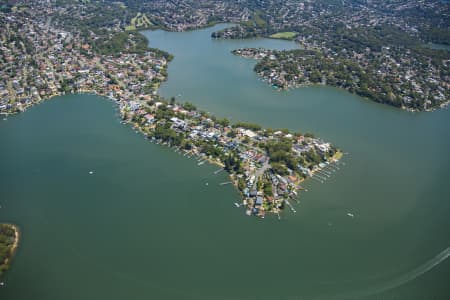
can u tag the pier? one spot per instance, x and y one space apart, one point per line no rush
218 171
290 205
318 176
316 179
321 172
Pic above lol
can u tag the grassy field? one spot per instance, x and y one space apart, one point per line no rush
287 35
130 28
140 21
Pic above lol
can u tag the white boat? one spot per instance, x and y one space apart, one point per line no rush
237 204
350 215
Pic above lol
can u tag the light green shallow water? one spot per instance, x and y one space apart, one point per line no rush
146 226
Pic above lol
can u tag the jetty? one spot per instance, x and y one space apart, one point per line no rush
290 205
218 171
316 179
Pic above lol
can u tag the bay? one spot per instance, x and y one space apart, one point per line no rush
146 225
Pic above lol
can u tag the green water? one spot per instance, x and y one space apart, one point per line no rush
146 226
438 46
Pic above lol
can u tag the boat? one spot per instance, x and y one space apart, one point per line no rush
350 215
237 204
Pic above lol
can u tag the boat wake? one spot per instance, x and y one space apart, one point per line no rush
419 271
413 274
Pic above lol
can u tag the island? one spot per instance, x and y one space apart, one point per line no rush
45 54
9 241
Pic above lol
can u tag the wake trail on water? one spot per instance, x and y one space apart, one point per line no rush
417 272
441 257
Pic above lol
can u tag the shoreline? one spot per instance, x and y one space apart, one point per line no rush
16 240
251 53
246 163
293 187
15 245
266 80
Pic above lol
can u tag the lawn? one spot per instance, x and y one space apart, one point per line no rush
287 35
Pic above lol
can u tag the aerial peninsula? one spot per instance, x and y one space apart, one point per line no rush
266 165
44 55
386 51
381 79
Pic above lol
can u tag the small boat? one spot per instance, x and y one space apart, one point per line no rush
91 172
350 215
200 163
237 204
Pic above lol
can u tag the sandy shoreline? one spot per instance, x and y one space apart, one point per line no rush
16 241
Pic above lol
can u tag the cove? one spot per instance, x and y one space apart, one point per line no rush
145 225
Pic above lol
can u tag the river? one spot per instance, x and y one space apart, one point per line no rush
146 225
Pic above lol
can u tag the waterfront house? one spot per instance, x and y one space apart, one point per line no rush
259 201
178 123
150 118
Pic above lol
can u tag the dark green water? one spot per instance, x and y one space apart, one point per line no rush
146 226
438 46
